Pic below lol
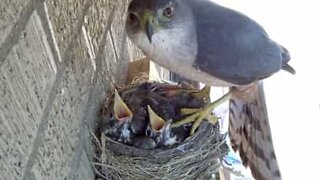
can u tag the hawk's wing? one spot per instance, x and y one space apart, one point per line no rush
250 132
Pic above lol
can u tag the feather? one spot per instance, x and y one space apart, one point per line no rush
250 131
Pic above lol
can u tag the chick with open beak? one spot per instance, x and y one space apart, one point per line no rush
118 127
160 130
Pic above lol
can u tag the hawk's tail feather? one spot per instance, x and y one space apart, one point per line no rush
289 69
250 132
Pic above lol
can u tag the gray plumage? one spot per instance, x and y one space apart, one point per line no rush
231 46
205 42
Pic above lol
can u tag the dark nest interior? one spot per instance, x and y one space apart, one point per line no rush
194 156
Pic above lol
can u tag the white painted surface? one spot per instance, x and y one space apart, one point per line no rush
293 101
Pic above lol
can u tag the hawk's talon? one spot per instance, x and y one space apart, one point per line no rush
195 125
213 119
204 93
198 115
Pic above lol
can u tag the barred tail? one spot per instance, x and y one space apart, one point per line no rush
250 132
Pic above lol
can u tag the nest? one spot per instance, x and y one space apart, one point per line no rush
196 157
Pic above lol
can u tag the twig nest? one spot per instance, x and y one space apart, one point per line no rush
138 141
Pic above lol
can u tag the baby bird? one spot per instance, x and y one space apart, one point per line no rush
160 130
118 126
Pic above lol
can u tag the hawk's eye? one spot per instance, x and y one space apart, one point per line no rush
132 17
168 12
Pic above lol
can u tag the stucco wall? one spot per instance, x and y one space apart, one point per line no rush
57 61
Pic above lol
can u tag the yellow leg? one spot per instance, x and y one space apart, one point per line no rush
188 111
198 115
211 117
204 93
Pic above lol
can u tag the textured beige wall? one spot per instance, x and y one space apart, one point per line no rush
57 60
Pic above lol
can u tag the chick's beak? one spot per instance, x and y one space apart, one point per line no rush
156 122
121 110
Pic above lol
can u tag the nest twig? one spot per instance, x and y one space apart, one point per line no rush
197 155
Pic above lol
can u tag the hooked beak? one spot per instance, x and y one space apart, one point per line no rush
149 30
149 23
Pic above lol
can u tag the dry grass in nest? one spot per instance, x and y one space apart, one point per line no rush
197 156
